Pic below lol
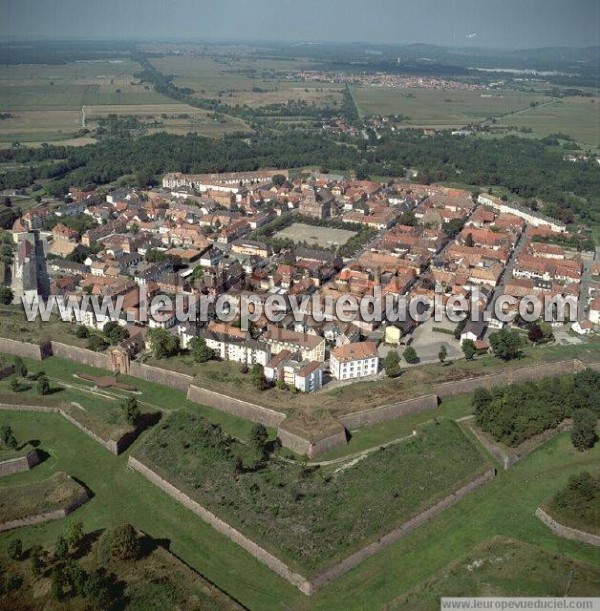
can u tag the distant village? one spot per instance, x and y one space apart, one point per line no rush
222 233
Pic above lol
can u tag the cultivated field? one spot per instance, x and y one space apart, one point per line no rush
315 236
53 103
254 82
70 86
438 108
578 117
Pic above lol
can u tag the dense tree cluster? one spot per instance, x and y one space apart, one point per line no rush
527 167
516 413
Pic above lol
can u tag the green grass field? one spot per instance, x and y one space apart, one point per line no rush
438 108
46 103
504 507
577 117
503 567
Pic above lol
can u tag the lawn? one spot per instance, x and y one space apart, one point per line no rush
504 567
151 397
368 437
98 409
30 499
325 237
311 517
505 507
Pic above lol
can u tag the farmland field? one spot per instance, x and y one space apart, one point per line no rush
48 103
317 236
253 82
70 86
439 108
578 117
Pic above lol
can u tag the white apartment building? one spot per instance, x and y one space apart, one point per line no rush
356 360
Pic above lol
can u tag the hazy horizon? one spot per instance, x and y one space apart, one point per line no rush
511 24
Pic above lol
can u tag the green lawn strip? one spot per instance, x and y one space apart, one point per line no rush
505 506
30 499
385 432
7 454
152 396
503 567
312 518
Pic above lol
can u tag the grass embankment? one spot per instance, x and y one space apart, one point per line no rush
578 504
311 516
14 325
100 409
227 378
505 506
154 580
503 567
26 500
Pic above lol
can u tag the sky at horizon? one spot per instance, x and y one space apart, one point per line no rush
460 23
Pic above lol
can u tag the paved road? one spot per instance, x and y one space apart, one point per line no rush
507 275
584 289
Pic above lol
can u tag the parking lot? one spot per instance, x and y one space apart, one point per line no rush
428 342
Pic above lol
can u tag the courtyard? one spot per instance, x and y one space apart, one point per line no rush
325 237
